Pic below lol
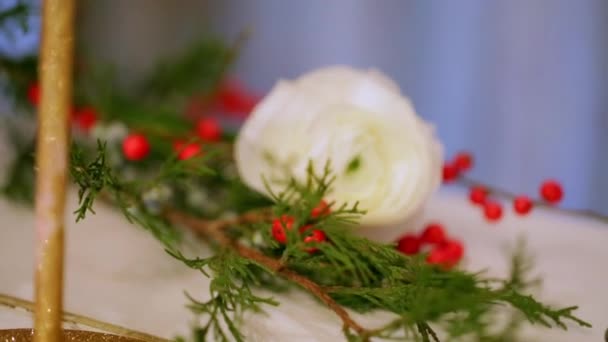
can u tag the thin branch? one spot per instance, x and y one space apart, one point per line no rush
68 317
539 203
215 230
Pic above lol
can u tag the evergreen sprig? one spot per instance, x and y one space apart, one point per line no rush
347 271
231 293
17 13
19 183
16 72
199 68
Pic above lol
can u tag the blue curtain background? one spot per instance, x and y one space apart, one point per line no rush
520 83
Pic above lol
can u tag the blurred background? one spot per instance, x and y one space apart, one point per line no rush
521 84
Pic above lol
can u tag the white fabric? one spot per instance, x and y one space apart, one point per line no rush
118 273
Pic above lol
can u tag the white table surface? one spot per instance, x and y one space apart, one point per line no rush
118 273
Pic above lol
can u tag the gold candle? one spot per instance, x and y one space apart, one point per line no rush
55 69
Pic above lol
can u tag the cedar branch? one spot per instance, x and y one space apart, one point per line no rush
214 229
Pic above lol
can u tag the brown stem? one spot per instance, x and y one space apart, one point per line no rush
510 195
215 230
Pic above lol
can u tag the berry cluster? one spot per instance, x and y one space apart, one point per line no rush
231 98
550 191
285 223
136 146
461 163
441 250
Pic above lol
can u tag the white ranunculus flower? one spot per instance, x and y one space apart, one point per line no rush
383 155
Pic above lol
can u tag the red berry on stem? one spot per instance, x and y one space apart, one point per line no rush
233 98
208 129
33 94
454 250
178 145
492 211
85 118
551 191
478 194
189 151
522 205
433 234
437 256
279 226
305 228
446 254
135 147
408 244
463 161
317 236
321 209
450 172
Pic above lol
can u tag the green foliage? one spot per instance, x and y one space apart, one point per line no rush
230 292
358 273
91 178
19 185
199 68
151 111
17 73
154 108
100 87
16 14
353 165
368 276
96 178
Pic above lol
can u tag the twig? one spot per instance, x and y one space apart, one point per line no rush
510 195
215 230
73 318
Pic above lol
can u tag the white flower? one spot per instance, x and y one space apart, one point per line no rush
383 155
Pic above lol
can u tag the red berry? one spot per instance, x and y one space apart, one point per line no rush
450 172
195 107
551 191
437 256
321 209
446 254
453 249
135 147
33 94
188 151
478 194
463 161
85 118
234 99
208 129
178 145
317 236
303 229
408 244
522 205
279 226
433 234
492 211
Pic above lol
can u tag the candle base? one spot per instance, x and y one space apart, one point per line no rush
26 335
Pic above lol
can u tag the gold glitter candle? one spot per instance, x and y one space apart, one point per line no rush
55 69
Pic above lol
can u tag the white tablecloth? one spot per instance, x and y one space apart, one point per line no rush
117 273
